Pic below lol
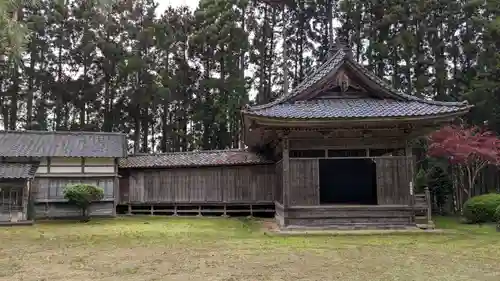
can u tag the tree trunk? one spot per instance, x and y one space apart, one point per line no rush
85 214
137 134
14 94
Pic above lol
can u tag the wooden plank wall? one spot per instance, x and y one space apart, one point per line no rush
304 181
279 182
235 184
393 180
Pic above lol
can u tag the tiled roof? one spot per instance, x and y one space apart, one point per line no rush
193 159
17 170
341 56
353 108
63 144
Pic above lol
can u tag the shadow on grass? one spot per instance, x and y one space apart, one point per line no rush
454 223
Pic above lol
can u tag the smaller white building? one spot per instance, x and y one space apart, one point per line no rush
61 159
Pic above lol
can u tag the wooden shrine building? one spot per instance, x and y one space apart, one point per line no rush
342 142
335 152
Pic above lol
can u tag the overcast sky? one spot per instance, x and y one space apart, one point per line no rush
163 4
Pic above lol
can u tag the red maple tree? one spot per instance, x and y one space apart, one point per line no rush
469 148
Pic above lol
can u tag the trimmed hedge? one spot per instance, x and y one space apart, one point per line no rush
481 208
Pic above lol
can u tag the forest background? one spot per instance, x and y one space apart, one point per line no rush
175 80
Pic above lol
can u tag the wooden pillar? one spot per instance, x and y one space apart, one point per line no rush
116 193
116 188
428 203
409 168
26 192
286 171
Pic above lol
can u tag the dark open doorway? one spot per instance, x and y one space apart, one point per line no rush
348 181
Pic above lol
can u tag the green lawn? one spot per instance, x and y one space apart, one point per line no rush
161 248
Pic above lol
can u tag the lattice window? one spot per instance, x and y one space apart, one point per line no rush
315 153
347 153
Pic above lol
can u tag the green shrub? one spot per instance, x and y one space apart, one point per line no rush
82 196
481 208
497 215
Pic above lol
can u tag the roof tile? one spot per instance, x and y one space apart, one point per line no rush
17 170
193 159
61 144
353 108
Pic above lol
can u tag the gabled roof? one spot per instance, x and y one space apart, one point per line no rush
17 170
392 104
62 144
193 159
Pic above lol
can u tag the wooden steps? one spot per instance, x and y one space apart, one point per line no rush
352 226
345 217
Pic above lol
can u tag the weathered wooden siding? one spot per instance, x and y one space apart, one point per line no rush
235 184
279 182
345 217
304 182
393 181
394 175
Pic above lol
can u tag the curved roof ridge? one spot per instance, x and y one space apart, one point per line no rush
334 62
362 108
337 57
190 152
